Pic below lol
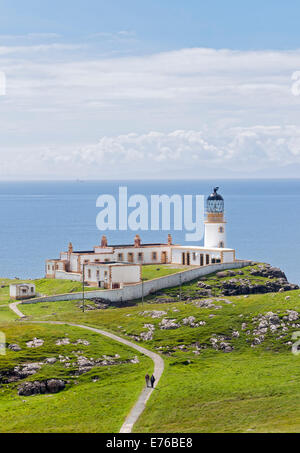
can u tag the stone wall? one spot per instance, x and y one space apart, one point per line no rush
133 292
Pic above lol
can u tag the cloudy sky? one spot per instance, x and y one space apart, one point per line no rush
149 89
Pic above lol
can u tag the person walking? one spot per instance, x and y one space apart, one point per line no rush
152 381
147 379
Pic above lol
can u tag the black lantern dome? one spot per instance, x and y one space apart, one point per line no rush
215 202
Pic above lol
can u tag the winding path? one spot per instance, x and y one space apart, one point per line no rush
140 405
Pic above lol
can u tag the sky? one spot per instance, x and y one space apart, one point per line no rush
149 89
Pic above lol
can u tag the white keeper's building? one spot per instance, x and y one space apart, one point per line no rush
113 266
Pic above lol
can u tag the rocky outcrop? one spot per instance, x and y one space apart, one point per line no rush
146 336
153 314
41 387
242 286
168 324
274 324
14 347
62 342
191 322
268 271
220 343
85 364
35 343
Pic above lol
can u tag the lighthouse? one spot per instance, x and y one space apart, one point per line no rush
215 234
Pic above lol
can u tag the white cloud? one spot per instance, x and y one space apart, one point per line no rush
181 153
228 111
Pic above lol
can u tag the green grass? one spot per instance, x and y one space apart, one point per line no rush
44 286
191 289
250 389
7 315
151 271
84 406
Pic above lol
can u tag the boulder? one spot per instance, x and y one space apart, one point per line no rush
62 342
35 343
153 314
55 385
50 360
222 274
167 324
14 347
41 387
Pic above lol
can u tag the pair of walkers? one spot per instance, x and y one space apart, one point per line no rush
151 380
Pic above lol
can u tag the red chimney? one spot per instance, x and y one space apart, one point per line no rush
137 241
104 241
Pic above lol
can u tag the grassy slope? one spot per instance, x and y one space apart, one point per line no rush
191 289
254 389
149 272
84 406
44 286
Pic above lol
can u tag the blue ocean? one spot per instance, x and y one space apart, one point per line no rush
39 219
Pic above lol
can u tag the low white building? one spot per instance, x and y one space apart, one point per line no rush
22 291
112 275
71 263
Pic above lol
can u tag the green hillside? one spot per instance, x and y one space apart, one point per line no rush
97 400
229 365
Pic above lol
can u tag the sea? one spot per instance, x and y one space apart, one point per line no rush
39 219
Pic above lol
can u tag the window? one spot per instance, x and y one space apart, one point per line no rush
221 244
221 229
98 274
89 273
97 261
140 257
154 256
194 256
207 259
120 257
106 260
32 290
130 257
105 273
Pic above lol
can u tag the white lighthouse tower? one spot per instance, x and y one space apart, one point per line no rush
215 234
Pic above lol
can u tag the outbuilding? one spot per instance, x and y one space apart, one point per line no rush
22 291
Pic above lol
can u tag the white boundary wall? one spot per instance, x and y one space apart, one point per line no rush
133 292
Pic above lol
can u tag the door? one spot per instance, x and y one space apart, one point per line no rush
183 259
163 257
188 259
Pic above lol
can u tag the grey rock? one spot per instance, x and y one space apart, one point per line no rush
35 343
41 387
62 342
167 324
14 347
